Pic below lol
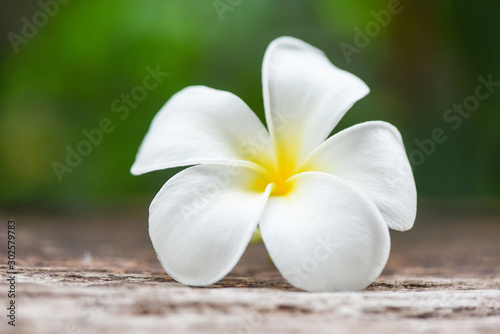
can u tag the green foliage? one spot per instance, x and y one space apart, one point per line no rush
65 79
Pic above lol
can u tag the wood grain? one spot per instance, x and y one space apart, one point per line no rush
99 274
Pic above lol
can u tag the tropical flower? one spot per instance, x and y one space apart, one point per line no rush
323 207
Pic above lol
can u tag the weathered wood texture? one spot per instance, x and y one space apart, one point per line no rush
100 275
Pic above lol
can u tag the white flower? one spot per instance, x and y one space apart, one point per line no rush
323 207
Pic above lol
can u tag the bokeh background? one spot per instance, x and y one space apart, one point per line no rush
64 78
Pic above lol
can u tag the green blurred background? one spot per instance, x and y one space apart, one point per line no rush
64 79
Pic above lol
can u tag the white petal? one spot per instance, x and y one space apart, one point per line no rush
371 156
202 219
325 235
202 125
305 96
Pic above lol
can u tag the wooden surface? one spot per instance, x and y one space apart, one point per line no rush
99 274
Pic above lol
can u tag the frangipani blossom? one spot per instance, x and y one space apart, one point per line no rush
324 208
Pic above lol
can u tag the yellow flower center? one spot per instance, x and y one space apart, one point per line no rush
277 173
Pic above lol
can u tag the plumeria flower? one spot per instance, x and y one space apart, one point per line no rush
324 207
